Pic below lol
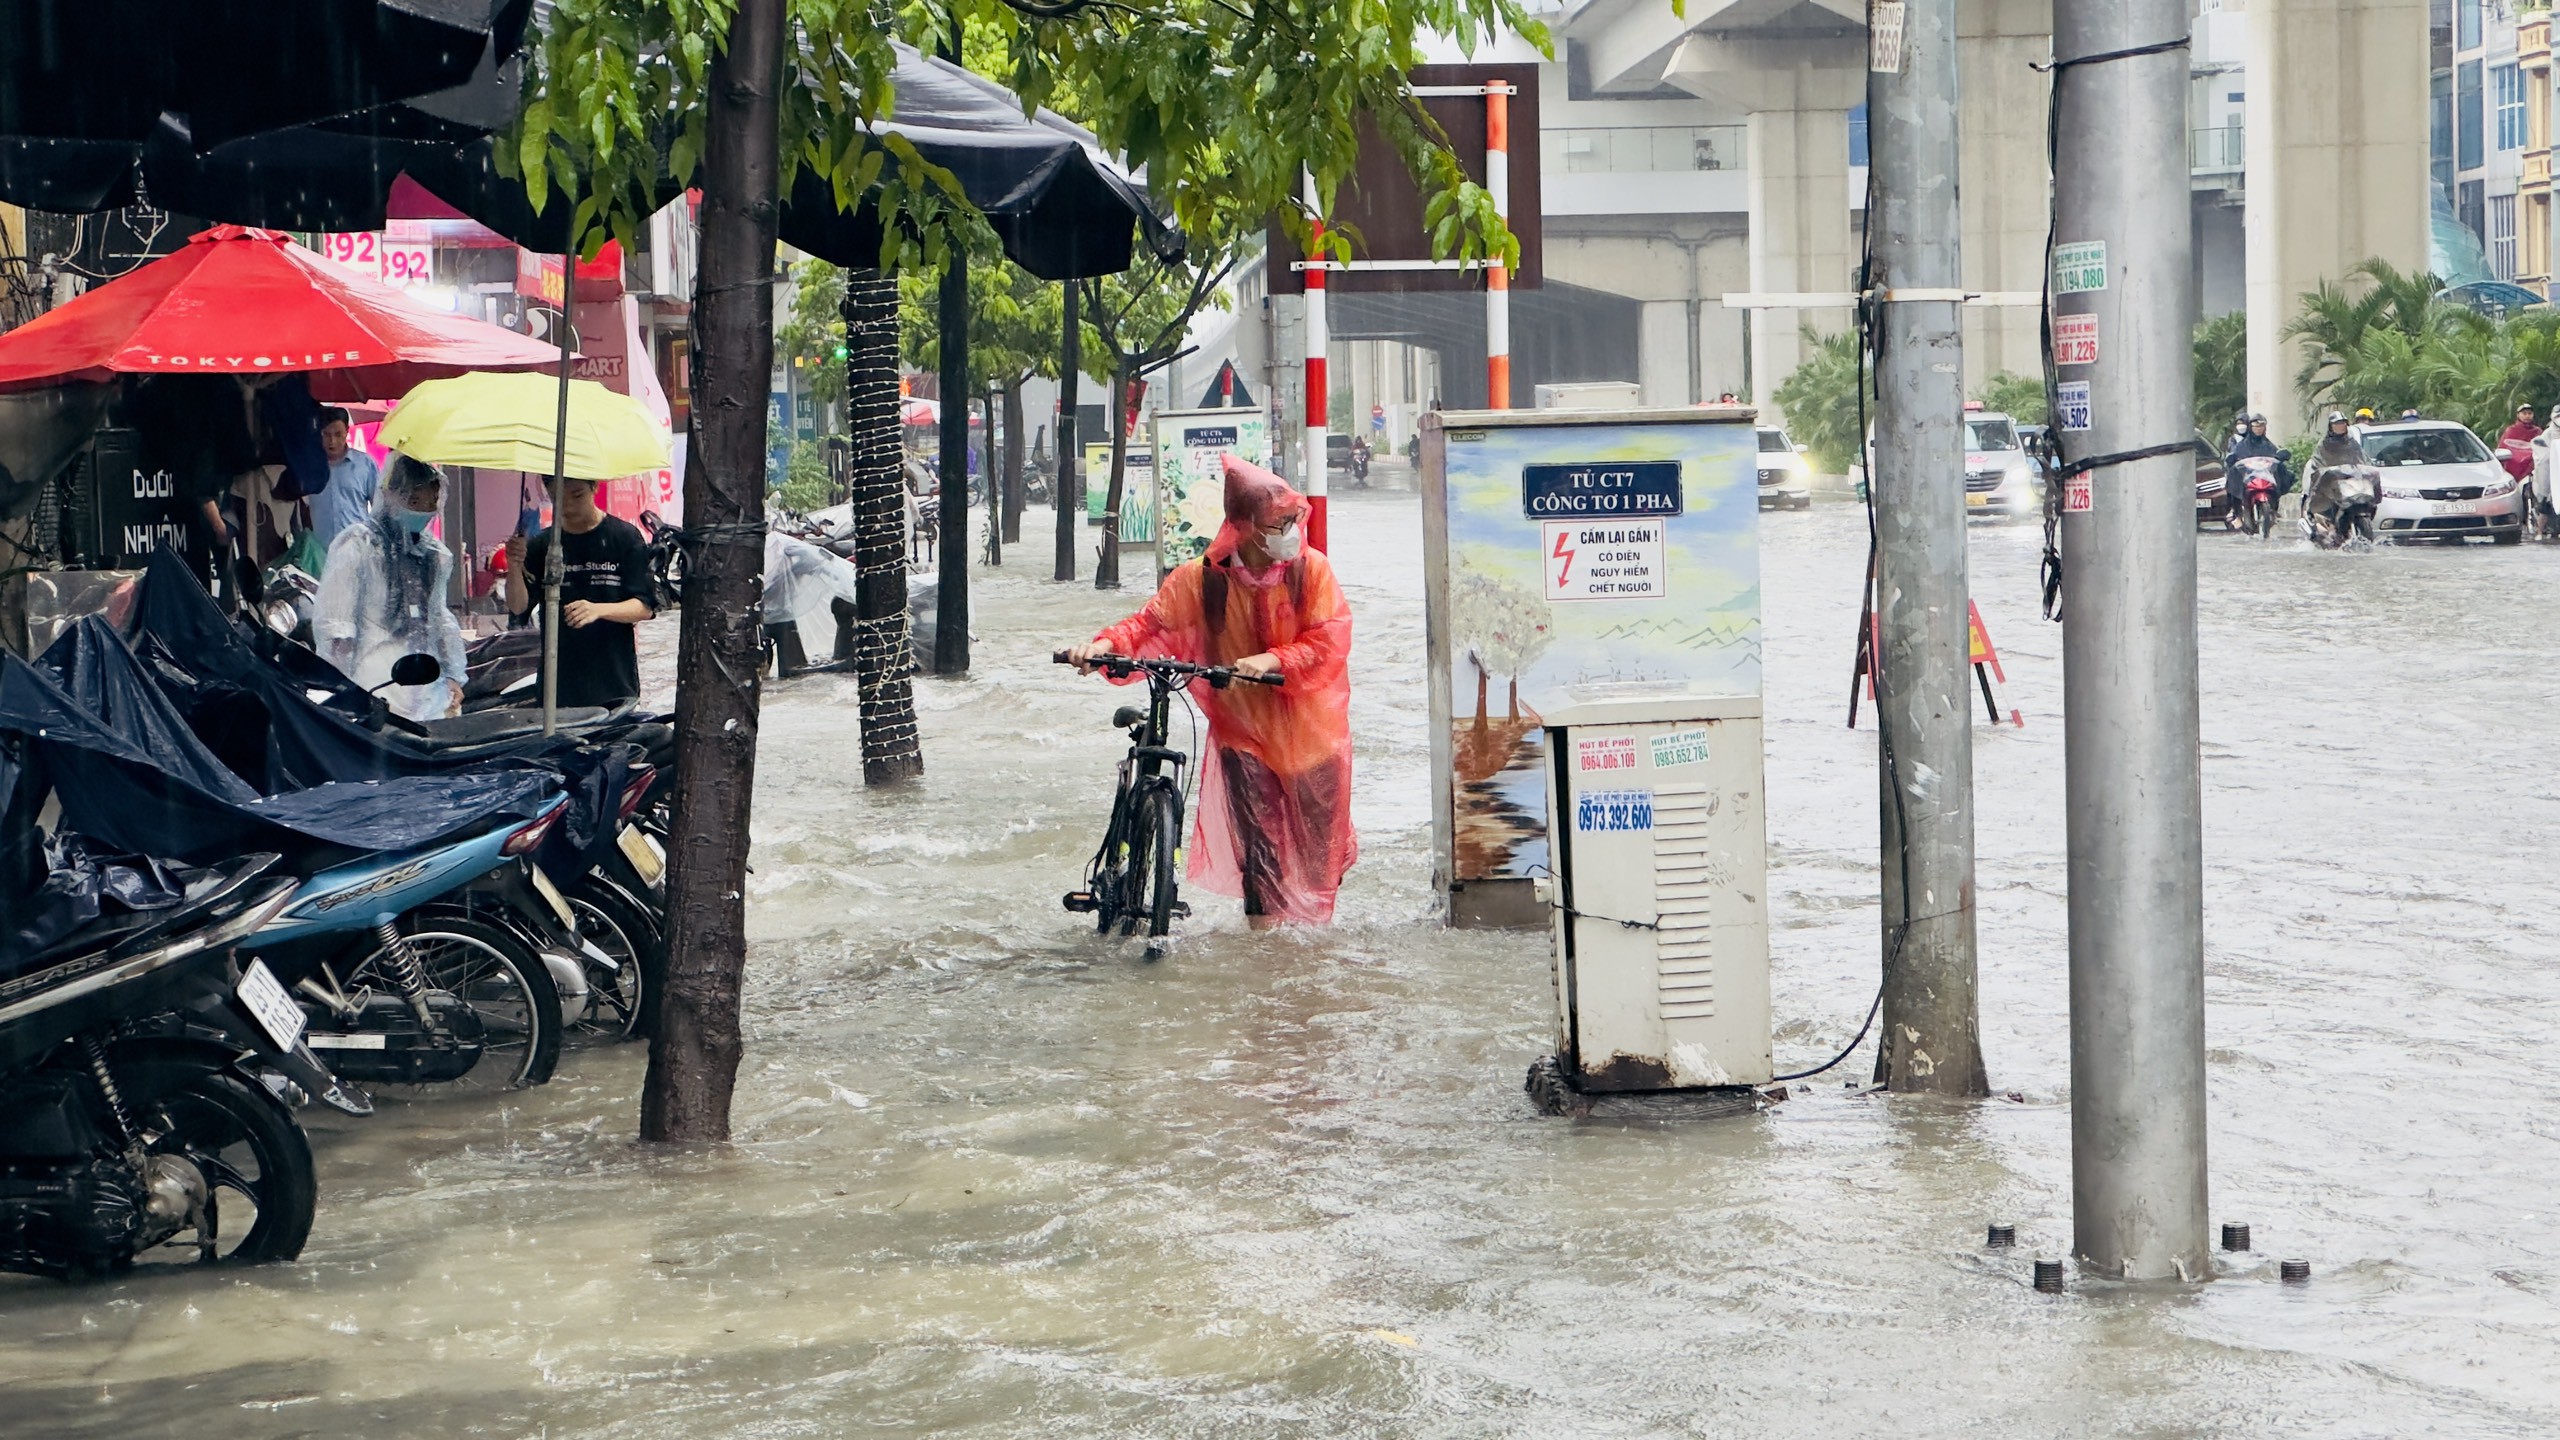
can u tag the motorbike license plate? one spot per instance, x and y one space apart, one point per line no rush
267 1003
2457 507
641 849
326 1041
551 895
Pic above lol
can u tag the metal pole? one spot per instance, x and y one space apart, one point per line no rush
559 536
951 597
1497 279
2132 792
1070 494
1924 699
1312 484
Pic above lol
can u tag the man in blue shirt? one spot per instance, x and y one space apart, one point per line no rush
348 497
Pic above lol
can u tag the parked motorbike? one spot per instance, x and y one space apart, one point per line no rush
2348 497
144 1076
2257 478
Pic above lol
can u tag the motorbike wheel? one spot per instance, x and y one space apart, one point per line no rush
504 982
624 1003
245 1143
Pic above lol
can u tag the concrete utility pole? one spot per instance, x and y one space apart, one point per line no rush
1924 697
2132 794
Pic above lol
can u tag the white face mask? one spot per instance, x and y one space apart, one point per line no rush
1285 545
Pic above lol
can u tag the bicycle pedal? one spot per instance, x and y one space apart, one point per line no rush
1181 909
1080 901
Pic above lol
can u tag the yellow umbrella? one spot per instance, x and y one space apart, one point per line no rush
508 422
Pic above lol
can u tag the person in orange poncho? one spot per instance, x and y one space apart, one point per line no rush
1275 787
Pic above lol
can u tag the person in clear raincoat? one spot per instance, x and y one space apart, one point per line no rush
1275 788
382 595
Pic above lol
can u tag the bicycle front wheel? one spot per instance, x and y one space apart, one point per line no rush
1155 852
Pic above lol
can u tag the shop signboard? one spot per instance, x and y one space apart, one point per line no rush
1191 481
1137 490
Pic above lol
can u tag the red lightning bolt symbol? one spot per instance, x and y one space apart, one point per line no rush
1564 553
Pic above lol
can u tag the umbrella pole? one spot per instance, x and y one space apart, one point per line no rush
559 536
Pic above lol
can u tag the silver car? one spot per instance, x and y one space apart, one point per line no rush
2440 482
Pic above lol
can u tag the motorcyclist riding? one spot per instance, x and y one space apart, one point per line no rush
2339 450
2251 441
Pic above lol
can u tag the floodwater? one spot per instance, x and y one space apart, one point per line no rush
997 1178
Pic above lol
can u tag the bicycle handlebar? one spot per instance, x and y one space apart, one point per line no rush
1218 676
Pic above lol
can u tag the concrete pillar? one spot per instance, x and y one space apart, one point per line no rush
1284 384
2336 137
1723 264
1799 195
2004 177
1662 352
1796 94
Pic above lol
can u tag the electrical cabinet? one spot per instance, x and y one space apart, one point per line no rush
1659 893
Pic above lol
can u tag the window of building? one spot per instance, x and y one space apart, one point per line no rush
2466 115
1857 136
2502 236
2471 209
2466 15
2440 128
2507 85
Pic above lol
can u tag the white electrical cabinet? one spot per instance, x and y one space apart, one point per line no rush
1659 892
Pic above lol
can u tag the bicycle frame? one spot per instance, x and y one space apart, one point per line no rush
1147 808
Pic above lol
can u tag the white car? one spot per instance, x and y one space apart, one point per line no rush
2440 482
1784 474
1999 477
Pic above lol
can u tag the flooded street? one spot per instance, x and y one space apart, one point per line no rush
996 1177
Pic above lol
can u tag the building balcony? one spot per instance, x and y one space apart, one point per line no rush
2533 43
1643 170
2535 173
2216 151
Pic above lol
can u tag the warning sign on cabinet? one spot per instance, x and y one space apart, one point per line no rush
1605 560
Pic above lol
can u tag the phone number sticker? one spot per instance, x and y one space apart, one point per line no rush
2071 399
1604 810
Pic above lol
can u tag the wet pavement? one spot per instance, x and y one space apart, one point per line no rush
996 1177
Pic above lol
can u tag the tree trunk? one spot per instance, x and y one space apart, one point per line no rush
1515 697
1106 574
951 598
1481 677
1014 498
884 663
1068 488
693 1059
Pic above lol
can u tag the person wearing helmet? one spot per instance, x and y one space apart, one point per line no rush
2364 415
382 595
2411 413
1275 787
2517 440
2251 442
2339 450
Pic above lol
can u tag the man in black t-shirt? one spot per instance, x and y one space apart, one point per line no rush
605 590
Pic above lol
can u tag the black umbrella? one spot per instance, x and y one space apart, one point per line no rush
1060 208
106 70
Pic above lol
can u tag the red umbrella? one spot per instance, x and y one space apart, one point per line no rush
241 301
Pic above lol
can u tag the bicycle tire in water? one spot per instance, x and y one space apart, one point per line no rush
1165 810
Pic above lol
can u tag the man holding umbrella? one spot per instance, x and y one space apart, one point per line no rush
606 588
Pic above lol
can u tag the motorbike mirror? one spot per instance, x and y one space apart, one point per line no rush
2505 454
2285 455
418 668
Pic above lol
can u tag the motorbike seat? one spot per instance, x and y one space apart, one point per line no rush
489 727
130 932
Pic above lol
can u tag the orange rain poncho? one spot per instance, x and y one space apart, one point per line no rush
1275 787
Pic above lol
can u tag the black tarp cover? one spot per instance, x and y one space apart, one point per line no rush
129 773
255 714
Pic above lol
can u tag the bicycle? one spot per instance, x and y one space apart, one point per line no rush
1134 879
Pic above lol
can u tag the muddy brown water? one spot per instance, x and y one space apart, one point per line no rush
995 1177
